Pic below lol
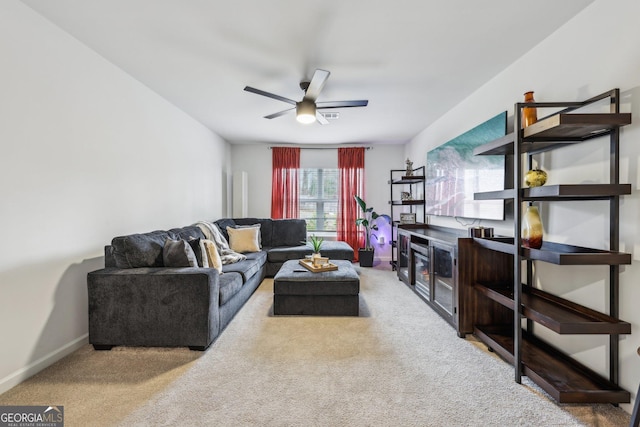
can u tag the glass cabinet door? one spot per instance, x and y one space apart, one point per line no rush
403 257
442 278
421 273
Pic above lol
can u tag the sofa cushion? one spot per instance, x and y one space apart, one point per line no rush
266 228
223 224
336 250
247 267
288 232
244 239
286 253
331 249
230 284
139 250
187 233
178 253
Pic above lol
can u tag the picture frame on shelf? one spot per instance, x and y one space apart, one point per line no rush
407 218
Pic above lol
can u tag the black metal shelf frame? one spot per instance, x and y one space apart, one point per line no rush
399 177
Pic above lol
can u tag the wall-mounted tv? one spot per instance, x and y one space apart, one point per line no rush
454 174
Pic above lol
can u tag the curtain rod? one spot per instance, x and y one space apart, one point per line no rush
326 148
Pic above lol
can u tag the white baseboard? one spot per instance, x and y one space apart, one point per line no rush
33 368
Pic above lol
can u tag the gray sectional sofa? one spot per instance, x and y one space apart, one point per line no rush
137 301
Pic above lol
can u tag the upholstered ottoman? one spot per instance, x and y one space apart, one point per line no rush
299 291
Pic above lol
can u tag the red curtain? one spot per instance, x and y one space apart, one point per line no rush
284 182
351 174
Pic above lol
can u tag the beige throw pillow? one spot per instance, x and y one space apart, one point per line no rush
244 239
213 257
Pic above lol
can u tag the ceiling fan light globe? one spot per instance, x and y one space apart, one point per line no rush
305 118
306 112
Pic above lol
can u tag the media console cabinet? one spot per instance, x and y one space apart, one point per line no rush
441 265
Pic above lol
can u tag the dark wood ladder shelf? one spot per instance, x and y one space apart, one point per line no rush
566 380
557 314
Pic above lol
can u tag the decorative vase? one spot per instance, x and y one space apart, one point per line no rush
535 178
531 228
529 114
316 255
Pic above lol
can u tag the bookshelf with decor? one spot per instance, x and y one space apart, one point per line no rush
560 375
406 200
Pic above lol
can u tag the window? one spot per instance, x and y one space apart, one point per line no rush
319 198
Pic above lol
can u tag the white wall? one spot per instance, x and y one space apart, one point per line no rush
88 153
594 52
256 160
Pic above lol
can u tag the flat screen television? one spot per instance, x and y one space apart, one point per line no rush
454 174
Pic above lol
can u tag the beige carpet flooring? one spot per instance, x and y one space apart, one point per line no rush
398 364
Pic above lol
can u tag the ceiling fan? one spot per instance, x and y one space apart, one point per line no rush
307 109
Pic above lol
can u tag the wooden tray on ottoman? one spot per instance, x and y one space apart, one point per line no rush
308 264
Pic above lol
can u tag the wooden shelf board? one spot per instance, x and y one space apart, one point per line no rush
574 127
406 202
566 380
500 244
413 179
504 146
563 192
501 292
575 192
495 195
558 314
557 131
558 253
500 146
561 254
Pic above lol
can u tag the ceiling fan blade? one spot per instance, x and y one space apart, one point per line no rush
320 118
269 95
317 83
342 104
279 113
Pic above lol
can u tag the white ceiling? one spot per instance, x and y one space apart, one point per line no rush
412 59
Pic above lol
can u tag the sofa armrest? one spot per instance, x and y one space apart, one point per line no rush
153 306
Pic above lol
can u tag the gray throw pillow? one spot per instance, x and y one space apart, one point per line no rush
178 253
139 250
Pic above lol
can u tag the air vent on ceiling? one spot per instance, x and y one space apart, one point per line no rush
331 116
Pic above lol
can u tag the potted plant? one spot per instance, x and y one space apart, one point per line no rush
315 243
369 222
